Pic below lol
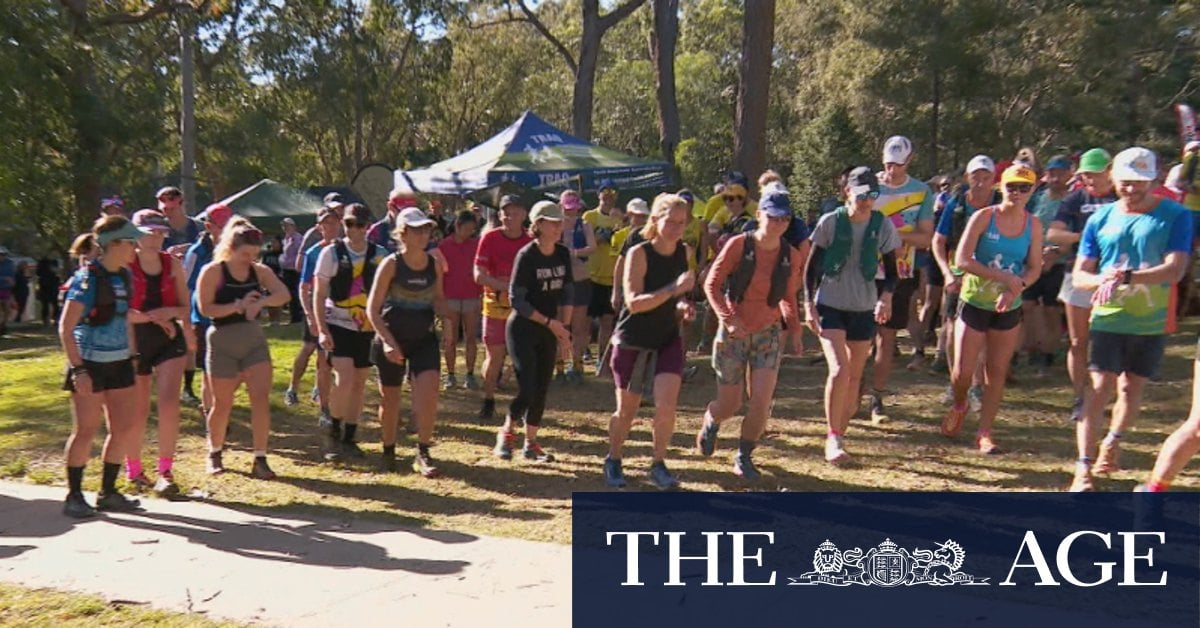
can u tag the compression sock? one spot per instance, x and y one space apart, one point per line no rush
389 451
75 480
1157 486
133 467
189 376
423 449
348 432
335 427
108 482
164 464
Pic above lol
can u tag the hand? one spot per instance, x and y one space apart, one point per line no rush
82 382
813 319
168 328
883 310
733 325
312 328
325 340
393 354
1050 255
953 284
684 283
252 305
1106 291
616 301
687 309
560 331
1015 284
1005 301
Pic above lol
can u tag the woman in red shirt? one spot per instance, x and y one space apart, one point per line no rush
462 296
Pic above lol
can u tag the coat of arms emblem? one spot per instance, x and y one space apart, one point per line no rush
888 565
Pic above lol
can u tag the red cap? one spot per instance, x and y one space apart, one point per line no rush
218 214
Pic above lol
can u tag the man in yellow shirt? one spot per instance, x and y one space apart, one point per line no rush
605 220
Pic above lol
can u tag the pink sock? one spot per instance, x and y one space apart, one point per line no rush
133 467
164 465
833 433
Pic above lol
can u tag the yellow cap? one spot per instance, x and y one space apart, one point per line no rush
1018 173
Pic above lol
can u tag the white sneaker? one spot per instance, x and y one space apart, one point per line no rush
948 396
834 453
975 398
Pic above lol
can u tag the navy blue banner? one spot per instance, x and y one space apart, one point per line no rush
888 560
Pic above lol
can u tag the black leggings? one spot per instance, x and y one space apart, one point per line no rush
533 349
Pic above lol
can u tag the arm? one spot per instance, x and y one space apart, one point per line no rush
518 292
206 292
788 306
727 260
920 236
1034 260
1060 234
320 295
942 256
278 294
634 282
375 299
71 315
619 291
439 292
813 273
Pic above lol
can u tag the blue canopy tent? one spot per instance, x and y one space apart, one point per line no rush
534 154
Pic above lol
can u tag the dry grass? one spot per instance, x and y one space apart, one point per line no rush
20 606
482 494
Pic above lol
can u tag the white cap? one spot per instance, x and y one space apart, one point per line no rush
637 206
1135 164
413 217
897 150
1174 178
1191 146
774 187
981 162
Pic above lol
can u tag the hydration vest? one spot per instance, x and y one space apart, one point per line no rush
739 279
339 286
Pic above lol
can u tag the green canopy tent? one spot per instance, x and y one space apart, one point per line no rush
268 202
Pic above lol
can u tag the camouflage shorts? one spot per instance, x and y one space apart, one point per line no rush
760 350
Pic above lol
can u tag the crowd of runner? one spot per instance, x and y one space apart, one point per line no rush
984 266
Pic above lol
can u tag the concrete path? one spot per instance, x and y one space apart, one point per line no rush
282 570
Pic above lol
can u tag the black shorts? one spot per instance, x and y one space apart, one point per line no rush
1044 291
201 330
105 375
155 347
355 345
859 326
936 278
983 320
901 300
1125 353
601 304
419 356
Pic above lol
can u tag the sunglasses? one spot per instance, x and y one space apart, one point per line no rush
873 194
1023 188
733 198
169 197
778 219
252 237
351 223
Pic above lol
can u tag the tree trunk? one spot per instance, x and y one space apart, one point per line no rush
750 129
187 113
662 53
935 117
585 73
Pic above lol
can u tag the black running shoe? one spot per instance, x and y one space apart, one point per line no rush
261 470
116 502
350 449
533 451
488 411
77 507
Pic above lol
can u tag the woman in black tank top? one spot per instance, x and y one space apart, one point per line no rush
232 290
646 341
405 299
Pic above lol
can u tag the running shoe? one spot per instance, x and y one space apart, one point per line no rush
332 444
425 465
662 478
743 466
878 412
350 449
706 439
987 446
315 395
290 398
116 502
835 453
189 398
952 422
165 487
506 442
1077 409
1082 483
488 411
948 396
324 420
560 378
214 466
1109 459
260 470
613 476
975 398
387 463
471 383
76 507
689 373
1147 509
917 362
939 366
533 451
140 482
449 381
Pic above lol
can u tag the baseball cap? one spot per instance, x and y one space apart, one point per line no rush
128 231
326 212
545 210
686 195
897 150
510 199
414 217
637 206
218 214
862 180
151 219
1135 164
570 201
334 199
1174 178
737 178
288 221
981 162
401 198
1018 173
1191 146
169 190
606 184
1059 162
776 205
1094 160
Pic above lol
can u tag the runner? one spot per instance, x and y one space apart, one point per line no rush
999 255
1065 231
99 347
493 266
625 238
605 220
405 299
158 308
541 295
345 273
184 229
1130 253
842 301
329 226
1181 445
232 291
908 203
580 240
1042 311
647 346
198 255
462 297
725 215
753 284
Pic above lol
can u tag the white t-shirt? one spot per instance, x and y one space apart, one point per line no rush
350 313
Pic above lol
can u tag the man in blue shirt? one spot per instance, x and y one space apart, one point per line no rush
199 254
1130 253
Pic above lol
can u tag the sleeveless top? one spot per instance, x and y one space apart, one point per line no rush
408 309
998 251
580 238
232 289
153 291
658 327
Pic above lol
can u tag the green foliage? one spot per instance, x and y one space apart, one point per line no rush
828 144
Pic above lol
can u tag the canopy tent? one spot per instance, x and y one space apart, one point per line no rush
267 203
534 154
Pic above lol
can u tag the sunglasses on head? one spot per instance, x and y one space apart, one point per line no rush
1019 187
250 236
731 198
873 194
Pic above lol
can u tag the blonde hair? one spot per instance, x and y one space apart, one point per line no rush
663 204
84 244
768 176
237 231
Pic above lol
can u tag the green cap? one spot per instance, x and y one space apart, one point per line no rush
127 231
1094 160
545 210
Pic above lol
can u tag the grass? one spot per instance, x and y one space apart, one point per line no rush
479 493
20 606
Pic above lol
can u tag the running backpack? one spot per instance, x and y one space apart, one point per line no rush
339 286
104 308
958 221
739 280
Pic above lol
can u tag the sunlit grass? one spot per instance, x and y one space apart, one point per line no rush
20 606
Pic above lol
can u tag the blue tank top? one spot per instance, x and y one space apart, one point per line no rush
998 251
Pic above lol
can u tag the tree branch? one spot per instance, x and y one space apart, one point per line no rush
137 17
616 15
532 18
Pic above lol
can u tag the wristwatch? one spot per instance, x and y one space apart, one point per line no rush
1127 276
